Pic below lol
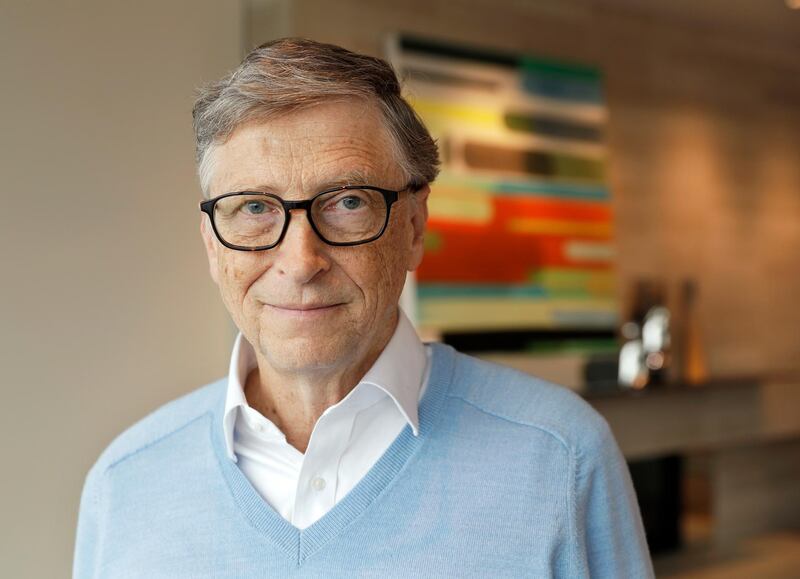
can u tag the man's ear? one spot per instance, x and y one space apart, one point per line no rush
419 220
212 247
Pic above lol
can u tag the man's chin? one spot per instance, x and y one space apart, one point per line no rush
305 354
301 316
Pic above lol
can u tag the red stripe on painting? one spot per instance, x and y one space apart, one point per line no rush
496 256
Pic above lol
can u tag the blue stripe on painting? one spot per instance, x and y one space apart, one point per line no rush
583 192
543 188
561 88
446 290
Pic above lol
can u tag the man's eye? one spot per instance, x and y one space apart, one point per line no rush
351 202
255 207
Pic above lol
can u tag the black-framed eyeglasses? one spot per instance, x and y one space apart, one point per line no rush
344 215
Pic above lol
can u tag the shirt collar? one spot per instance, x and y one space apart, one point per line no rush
398 372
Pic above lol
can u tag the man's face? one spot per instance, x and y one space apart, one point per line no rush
304 305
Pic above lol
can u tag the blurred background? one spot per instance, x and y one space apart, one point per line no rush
619 212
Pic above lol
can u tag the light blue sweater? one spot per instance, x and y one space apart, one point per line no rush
509 477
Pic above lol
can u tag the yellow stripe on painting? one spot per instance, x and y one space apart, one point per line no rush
558 227
599 283
430 110
455 314
589 251
460 205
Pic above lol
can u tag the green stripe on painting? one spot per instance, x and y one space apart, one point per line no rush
497 158
551 127
532 187
562 69
569 166
561 81
592 282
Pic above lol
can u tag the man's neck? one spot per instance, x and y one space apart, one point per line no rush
294 401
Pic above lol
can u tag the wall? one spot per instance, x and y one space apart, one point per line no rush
704 100
106 309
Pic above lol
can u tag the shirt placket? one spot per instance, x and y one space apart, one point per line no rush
316 486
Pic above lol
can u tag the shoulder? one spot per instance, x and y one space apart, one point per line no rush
160 424
514 396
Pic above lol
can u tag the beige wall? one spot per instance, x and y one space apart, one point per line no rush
106 309
704 100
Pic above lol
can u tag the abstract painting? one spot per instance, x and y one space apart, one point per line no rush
521 230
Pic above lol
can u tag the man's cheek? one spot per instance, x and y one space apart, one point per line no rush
390 269
235 271
232 286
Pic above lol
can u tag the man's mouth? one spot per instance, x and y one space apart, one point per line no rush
305 307
309 311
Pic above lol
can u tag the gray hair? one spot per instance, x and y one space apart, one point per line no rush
292 74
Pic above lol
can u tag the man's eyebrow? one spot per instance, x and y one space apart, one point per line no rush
352 177
258 189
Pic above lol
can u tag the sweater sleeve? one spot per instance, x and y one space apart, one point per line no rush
610 536
88 533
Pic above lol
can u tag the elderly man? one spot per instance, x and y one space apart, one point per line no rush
339 445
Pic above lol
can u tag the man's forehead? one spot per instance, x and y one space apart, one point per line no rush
322 126
308 174
332 145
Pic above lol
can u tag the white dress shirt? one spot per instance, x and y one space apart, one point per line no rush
346 441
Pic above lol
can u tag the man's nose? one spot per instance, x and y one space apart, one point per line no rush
300 255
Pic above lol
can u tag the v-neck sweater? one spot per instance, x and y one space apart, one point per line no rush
509 476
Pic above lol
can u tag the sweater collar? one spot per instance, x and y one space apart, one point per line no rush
300 544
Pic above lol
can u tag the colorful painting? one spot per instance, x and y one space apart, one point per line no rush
521 229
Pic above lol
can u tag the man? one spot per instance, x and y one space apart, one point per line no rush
339 445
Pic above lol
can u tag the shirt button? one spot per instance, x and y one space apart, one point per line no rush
318 483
